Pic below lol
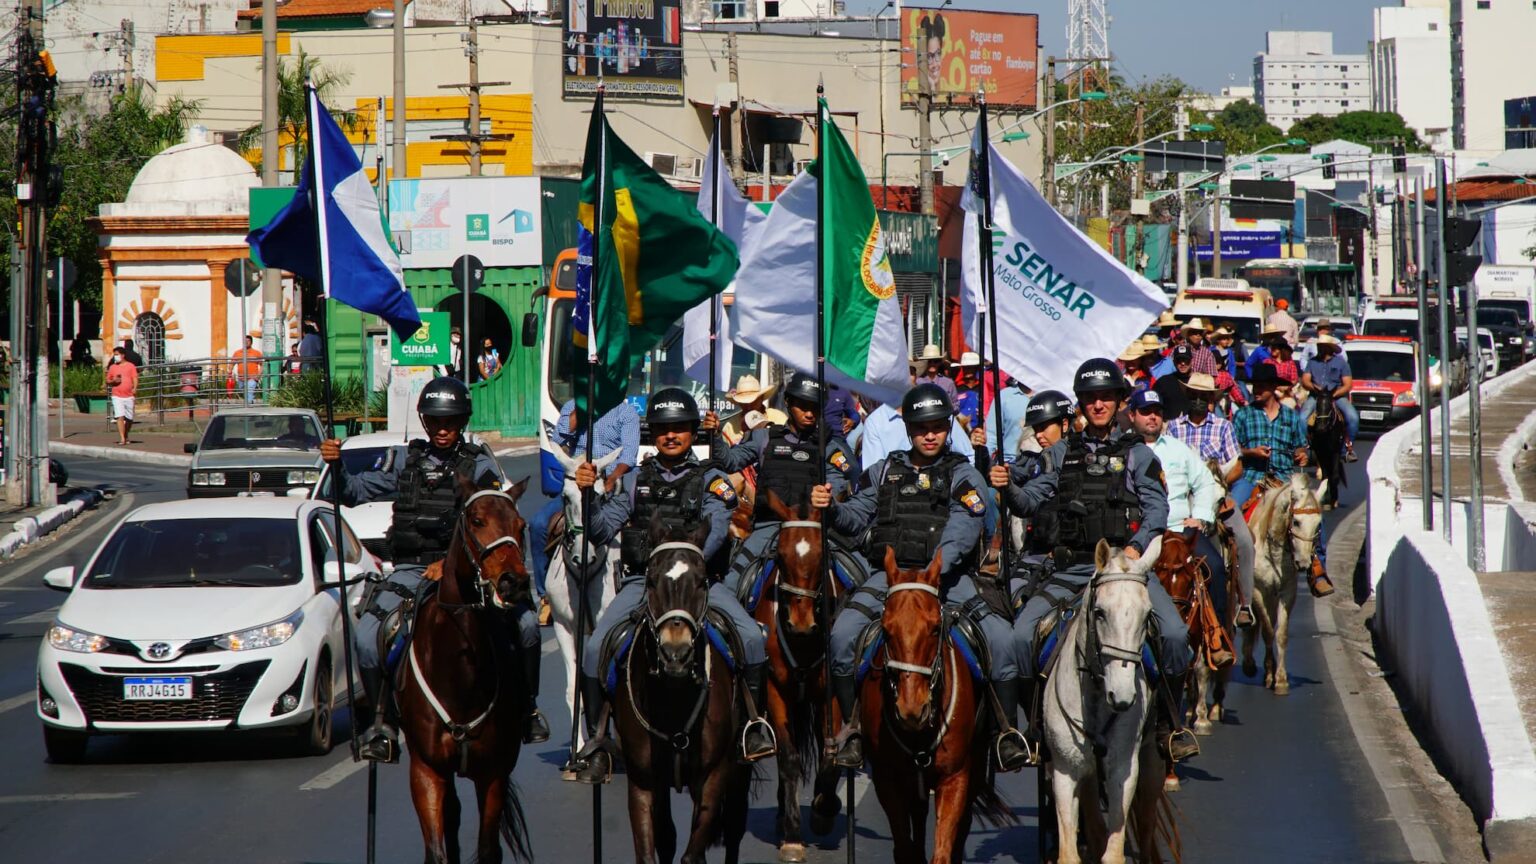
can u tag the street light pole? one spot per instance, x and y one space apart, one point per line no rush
1445 352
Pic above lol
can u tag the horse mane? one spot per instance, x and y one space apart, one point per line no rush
1264 523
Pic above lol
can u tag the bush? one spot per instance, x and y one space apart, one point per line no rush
77 379
308 391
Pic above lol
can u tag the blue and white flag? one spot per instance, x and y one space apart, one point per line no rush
739 219
1060 298
345 245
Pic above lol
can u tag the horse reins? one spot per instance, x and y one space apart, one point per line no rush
935 675
681 740
481 551
796 667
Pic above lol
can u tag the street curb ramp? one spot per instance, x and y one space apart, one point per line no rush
33 528
125 454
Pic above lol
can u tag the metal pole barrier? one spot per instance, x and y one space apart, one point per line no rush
1475 551
1426 430
58 270
1446 489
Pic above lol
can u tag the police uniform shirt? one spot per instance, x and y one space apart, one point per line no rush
749 452
1032 481
1144 477
384 484
614 510
962 532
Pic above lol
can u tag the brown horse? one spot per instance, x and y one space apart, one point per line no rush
463 704
920 708
1186 577
675 713
796 610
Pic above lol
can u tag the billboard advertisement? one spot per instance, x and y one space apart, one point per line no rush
634 47
956 54
1243 244
496 219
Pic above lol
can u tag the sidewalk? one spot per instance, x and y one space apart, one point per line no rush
23 526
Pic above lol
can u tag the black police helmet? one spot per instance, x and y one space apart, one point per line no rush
444 397
926 402
1047 406
1098 375
803 387
671 405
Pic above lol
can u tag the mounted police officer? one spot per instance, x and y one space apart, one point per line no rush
1048 416
920 502
676 489
786 458
420 480
1103 484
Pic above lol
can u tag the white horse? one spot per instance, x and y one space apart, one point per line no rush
1285 525
594 567
1097 701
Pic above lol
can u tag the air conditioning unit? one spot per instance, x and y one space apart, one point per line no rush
664 164
690 167
802 164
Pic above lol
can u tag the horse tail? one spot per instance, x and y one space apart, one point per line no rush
514 827
1153 824
807 734
986 801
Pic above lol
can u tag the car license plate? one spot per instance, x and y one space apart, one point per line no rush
157 689
1373 415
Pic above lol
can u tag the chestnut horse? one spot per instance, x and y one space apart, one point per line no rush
675 711
920 709
464 703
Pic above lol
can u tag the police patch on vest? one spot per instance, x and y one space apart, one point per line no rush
838 460
972 501
800 456
1116 464
723 490
923 482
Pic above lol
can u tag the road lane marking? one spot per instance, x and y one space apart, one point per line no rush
66 796
333 775
549 646
44 616
17 701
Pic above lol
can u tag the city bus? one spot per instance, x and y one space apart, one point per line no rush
1308 286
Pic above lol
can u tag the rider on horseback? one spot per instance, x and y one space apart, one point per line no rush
1048 416
786 458
679 491
420 480
1106 485
1327 376
921 501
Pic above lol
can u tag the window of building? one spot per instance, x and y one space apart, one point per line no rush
770 8
1344 103
1435 25
730 9
1295 103
1484 4
1295 86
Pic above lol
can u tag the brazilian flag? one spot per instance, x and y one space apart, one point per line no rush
654 258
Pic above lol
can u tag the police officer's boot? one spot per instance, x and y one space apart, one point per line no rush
594 764
757 738
848 748
1174 742
1011 748
538 727
381 740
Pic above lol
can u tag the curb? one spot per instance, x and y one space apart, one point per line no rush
124 454
513 452
33 528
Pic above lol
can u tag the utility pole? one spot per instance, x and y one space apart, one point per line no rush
472 136
925 135
397 151
1048 173
1216 233
126 47
738 113
271 277
1183 248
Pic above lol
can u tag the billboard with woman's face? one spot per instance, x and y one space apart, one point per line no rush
955 54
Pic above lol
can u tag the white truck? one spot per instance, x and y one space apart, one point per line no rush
1511 286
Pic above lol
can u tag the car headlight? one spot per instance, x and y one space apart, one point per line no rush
207 478
1516 340
1405 399
1434 379
303 478
266 636
69 639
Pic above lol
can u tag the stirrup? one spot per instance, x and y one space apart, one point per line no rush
1238 619
1181 745
595 769
1028 755
750 755
381 743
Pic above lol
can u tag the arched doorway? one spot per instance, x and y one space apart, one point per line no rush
487 321
149 337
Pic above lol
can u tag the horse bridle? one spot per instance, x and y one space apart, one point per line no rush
681 740
1096 647
481 551
811 594
693 620
934 674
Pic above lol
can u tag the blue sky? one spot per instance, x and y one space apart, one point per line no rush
1208 43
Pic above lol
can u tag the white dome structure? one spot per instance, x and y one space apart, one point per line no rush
196 177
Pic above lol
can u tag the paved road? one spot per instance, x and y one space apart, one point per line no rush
1281 782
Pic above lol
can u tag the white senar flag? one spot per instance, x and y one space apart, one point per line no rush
740 221
1060 298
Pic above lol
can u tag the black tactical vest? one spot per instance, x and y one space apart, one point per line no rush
678 505
912 511
787 469
427 504
1094 500
1029 465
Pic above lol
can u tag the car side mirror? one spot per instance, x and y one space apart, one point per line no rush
530 329
189 447
60 578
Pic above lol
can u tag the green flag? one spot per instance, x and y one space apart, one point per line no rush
864 332
655 258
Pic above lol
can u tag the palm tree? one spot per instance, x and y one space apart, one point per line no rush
290 104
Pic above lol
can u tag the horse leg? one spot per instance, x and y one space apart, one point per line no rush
894 790
1202 692
429 792
951 801
491 794
1282 636
708 803
1250 668
452 813
1064 788
738 793
1119 787
642 817
791 837
1267 624
663 830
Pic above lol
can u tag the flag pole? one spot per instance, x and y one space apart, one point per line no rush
984 237
317 203
715 152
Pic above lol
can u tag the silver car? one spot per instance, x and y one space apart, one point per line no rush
255 451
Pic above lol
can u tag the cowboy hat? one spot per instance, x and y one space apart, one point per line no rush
1273 330
929 352
1201 382
749 389
1133 352
1151 344
1167 320
969 358
1325 339
1195 324
1225 330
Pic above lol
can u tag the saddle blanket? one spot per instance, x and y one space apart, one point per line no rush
1058 635
875 640
623 639
765 569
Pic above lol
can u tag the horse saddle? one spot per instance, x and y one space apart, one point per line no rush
1052 632
757 574
616 648
957 630
556 533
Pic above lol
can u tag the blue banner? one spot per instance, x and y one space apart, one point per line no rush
1244 244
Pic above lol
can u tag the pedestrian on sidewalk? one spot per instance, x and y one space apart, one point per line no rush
248 371
122 381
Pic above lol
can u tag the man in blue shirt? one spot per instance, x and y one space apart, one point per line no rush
1327 376
1015 398
842 412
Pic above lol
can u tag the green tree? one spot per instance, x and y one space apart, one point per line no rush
1371 128
290 103
1244 128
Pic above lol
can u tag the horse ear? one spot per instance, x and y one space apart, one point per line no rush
890 561
935 567
778 507
1101 556
1149 558
517 489
1322 490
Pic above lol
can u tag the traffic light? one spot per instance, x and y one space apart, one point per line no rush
1399 159
1329 172
1460 234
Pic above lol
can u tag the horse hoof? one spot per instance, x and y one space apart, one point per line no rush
1216 713
1204 727
1250 668
1282 688
792 853
824 808
1171 784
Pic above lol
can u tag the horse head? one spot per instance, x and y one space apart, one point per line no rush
1118 608
1306 520
582 555
1173 567
913 641
798 584
489 537
677 595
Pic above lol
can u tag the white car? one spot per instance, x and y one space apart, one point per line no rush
201 616
1487 349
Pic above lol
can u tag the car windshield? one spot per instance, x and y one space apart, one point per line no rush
261 432
1405 327
1519 307
1380 365
1497 316
189 553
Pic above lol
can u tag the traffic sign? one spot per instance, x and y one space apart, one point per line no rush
61 267
468 274
241 277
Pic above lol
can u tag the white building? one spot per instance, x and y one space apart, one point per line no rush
1411 67
101 44
695 11
1214 102
1298 75
1490 62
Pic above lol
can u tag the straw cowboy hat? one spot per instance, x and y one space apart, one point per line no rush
1226 331
749 390
1167 320
1201 383
1195 324
1133 352
929 352
969 358
1151 344
1325 339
